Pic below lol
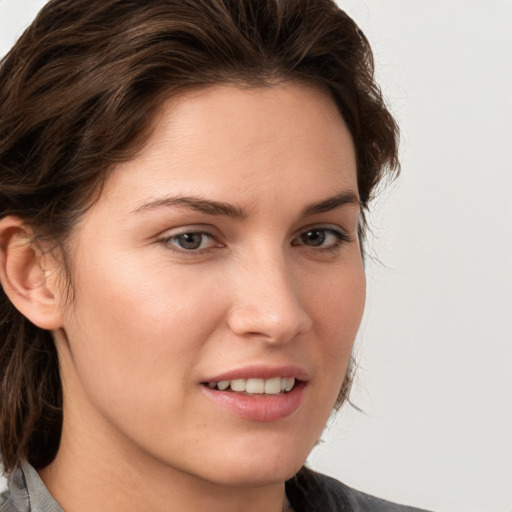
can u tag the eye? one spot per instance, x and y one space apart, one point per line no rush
190 241
323 238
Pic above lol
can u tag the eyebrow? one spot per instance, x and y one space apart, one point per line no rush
331 203
210 207
196 204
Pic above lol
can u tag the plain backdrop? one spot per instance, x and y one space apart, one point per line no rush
435 360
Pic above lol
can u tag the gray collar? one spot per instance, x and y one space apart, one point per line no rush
27 493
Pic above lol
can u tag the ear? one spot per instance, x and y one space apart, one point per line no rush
29 277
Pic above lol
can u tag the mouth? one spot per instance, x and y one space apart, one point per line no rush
255 386
258 392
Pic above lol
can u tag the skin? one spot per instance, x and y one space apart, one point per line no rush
150 320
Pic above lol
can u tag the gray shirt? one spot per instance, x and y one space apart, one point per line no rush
307 492
27 493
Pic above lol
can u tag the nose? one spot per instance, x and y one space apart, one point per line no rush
267 303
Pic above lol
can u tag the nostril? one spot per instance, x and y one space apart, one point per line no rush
272 323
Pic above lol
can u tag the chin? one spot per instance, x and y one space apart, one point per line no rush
258 475
268 467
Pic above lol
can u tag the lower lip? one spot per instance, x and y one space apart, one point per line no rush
259 407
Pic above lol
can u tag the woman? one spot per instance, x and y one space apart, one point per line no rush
183 198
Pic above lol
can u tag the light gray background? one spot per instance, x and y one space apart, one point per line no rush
435 347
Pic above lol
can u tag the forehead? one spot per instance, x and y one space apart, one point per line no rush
282 139
254 113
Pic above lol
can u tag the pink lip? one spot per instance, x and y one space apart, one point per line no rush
259 407
261 372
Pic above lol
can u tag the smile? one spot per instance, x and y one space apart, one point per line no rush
255 386
258 394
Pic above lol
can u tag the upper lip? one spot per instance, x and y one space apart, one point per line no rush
261 372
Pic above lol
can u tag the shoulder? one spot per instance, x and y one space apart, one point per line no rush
15 498
27 493
309 491
6 504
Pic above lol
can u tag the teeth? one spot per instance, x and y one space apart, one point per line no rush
273 386
238 384
256 386
289 384
223 384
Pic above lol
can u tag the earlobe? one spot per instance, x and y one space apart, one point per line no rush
28 276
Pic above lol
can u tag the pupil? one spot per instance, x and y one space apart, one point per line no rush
190 240
315 237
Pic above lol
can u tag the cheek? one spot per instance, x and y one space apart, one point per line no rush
129 323
338 309
338 312
123 294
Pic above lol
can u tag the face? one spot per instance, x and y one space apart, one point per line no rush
218 288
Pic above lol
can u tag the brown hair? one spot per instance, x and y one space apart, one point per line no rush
77 96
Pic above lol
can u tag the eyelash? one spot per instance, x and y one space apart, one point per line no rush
168 241
340 235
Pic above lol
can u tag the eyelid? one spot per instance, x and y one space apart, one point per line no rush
207 229
332 248
336 229
169 235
